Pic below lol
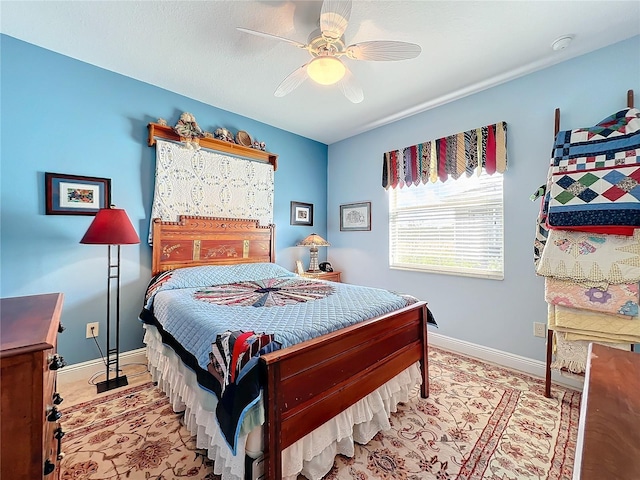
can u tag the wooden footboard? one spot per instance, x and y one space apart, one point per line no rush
310 383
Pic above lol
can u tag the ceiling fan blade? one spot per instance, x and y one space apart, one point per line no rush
383 50
350 88
293 81
334 18
273 37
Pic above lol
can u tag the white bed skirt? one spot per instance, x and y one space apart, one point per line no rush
312 456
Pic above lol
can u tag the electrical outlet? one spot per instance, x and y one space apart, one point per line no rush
539 329
95 326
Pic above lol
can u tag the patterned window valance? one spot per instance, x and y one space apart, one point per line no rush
465 152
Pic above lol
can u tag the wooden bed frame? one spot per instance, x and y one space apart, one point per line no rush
309 383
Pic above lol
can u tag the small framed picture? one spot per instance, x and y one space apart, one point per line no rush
76 195
301 213
355 217
299 267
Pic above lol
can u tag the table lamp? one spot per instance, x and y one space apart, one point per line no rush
313 241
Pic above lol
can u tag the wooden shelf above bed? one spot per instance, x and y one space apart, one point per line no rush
161 131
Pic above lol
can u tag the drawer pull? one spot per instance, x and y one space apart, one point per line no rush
57 362
59 434
57 399
49 467
54 415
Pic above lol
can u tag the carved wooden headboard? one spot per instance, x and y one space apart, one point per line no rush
194 241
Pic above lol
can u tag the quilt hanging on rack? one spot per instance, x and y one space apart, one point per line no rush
463 153
205 183
591 259
594 178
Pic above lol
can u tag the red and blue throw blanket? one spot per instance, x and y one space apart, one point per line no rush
234 363
594 180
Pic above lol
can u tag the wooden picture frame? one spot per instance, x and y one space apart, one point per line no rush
75 194
355 217
301 213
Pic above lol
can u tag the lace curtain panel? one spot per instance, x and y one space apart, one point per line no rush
206 183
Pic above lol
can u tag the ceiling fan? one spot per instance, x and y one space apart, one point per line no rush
327 47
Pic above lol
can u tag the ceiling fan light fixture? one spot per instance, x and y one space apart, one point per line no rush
326 70
327 47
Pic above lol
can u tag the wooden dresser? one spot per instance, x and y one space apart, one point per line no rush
608 444
30 434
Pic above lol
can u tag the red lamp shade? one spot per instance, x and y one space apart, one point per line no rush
111 226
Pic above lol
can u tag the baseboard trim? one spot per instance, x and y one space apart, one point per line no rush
509 360
85 370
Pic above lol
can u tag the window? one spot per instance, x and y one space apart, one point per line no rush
455 227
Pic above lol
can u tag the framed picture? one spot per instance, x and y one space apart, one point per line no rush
301 213
75 195
299 267
355 216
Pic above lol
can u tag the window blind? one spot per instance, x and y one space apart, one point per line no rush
452 227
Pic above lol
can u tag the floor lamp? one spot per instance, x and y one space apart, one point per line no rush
111 226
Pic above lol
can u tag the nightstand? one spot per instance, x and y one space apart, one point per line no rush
331 276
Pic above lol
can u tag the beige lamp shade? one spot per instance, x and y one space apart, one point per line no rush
314 239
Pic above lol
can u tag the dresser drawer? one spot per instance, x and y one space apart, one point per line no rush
27 350
49 424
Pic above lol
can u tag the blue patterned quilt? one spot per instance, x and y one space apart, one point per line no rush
193 306
594 181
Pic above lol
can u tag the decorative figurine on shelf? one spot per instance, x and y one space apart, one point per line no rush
162 121
189 131
224 134
259 146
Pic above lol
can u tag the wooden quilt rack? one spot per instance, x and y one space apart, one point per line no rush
547 381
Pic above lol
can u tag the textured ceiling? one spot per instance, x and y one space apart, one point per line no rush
194 49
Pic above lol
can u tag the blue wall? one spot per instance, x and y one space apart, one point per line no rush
65 116
496 314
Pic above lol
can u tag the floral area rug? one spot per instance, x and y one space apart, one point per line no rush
132 433
479 422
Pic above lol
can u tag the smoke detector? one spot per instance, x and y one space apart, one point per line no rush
562 42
